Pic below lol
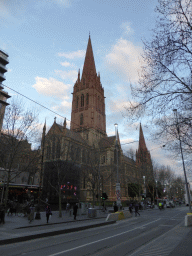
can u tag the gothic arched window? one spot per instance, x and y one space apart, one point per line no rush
98 102
87 99
58 149
77 102
82 100
48 151
72 152
53 148
78 154
83 156
81 119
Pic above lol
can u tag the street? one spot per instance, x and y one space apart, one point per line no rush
146 234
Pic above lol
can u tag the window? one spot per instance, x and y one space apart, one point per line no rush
82 100
84 156
58 150
84 183
53 149
98 102
87 136
78 154
81 119
87 99
77 102
72 152
48 151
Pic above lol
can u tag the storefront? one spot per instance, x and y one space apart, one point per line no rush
19 192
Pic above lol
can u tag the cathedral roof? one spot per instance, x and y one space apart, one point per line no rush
89 64
128 159
73 135
107 142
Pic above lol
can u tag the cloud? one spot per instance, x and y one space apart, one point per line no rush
66 3
72 55
51 87
70 75
65 64
125 60
126 26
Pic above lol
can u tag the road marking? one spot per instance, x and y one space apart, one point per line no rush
101 239
145 250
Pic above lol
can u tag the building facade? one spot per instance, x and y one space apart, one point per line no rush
86 143
144 165
3 95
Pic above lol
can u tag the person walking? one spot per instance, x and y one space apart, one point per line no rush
130 208
115 207
136 209
75 208
48 212
31 214
2 213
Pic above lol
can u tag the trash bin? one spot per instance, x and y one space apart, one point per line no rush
92 213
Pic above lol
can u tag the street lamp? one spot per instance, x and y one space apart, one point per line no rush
186 183
144 187
156 189
118 191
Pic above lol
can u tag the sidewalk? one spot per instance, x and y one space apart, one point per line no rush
18 228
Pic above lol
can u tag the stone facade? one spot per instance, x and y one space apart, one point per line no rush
3 95
143 160
86 143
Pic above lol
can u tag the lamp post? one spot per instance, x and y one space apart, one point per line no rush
156 189
118 191
144 187
186 183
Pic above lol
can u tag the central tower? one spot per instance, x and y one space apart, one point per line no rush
88 104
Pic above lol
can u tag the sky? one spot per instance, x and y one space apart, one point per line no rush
46 41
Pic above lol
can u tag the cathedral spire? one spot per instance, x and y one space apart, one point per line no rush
89 63
142 144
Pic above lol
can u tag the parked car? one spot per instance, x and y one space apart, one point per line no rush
170 204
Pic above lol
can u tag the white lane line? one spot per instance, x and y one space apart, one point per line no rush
101 239
152 242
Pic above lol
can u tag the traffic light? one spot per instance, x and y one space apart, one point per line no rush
104 196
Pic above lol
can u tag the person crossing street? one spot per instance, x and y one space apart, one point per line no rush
136 209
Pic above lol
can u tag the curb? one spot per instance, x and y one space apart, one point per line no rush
52 233
56 223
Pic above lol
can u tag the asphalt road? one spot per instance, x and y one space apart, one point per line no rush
132 237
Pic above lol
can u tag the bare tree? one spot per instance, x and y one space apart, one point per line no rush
131 153
165 81
19 127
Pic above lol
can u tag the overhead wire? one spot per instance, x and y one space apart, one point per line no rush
54 111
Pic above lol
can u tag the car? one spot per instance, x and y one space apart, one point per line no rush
170 204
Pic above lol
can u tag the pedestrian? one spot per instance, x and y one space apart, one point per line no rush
136 209
31 214
160 205
48 212
115 207
130 208
75 208
67 207
2 213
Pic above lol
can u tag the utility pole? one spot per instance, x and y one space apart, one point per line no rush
186 183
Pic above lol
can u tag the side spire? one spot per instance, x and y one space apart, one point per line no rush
142 144
44 127
89 63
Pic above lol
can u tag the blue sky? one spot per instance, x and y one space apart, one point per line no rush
46 42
